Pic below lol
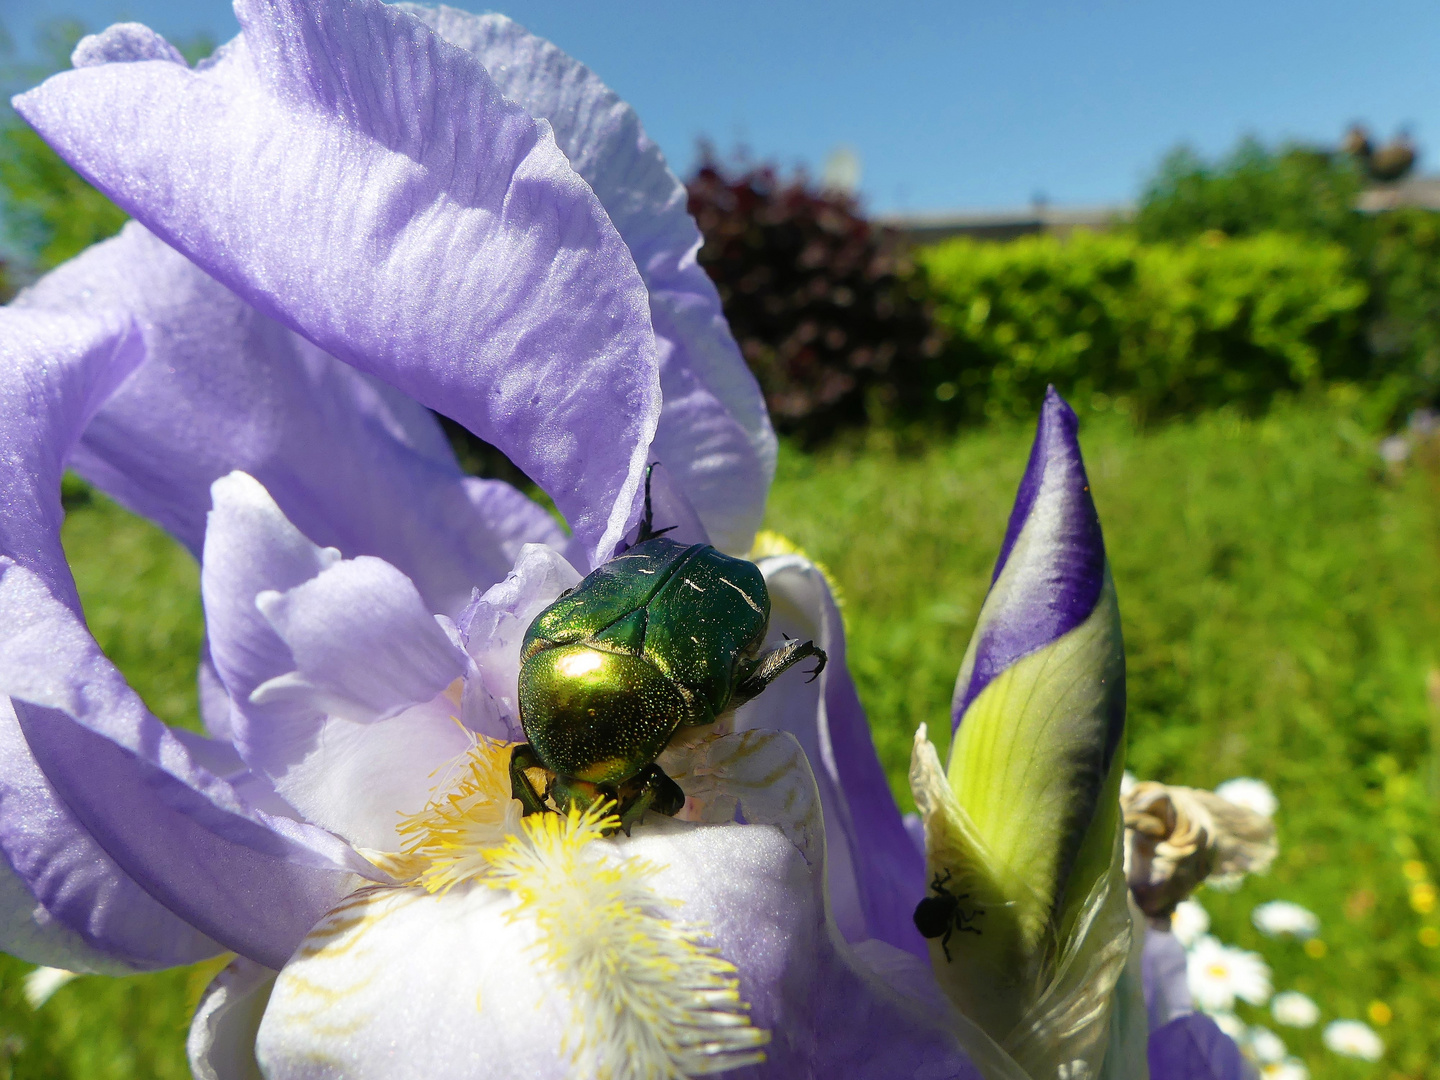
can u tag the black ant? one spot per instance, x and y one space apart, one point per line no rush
940 915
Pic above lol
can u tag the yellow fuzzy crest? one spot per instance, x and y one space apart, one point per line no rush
652 1001
446 843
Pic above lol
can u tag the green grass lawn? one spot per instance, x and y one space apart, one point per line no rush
1281 604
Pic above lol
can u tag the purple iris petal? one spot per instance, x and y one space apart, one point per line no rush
1194 1048
351 175
168 824
356 464
78 899
250 881
714 433
890 868
55 372
364 644
1056 583
1162 965
828 1013
877 875
250 547
221 1044
332 667
124 43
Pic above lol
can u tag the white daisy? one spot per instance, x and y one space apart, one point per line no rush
1289 1069
1294 1009
1267 1047
1217 974
1280 918
1188 922
1225 882
1231 1025
1250 793
1353 1039
1395 449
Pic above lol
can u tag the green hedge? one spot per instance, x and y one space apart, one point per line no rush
1403 322
1295 189
1149 329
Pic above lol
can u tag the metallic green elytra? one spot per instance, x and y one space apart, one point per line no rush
663 636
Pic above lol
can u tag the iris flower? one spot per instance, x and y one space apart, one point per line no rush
351 214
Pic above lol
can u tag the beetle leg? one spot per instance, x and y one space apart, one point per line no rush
572 793
773 664
521 758
647 523
656 792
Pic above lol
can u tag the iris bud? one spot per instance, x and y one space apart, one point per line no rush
1023 828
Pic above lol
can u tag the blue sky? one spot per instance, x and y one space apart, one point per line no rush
964 104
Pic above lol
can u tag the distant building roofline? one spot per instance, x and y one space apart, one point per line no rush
1003 224
929 227
1422 192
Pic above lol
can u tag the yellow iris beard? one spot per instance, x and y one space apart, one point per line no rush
651 1000
446 843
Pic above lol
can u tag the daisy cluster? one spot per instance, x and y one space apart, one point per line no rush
1220 974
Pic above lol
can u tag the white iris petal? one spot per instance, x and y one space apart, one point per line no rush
649 999
652 1002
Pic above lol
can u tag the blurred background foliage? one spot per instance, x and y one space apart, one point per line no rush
829 311
1296 190
1237 349
47 212
1237 280
1150 329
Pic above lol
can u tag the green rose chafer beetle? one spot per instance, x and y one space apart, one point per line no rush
664 636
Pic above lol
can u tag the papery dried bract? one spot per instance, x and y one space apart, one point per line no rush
1176 837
